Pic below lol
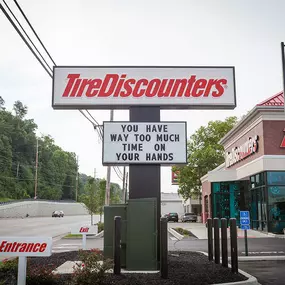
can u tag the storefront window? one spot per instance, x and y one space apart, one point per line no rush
276 205
276 178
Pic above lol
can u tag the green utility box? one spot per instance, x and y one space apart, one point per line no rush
109 213
142 234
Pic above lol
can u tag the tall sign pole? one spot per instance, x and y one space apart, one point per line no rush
283 69
124 183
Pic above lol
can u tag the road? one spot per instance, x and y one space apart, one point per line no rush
45 226
266 272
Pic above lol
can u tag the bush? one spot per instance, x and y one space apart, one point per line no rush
183 231
92 269
9 266
41 275
100 227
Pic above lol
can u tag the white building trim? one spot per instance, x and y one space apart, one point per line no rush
260 164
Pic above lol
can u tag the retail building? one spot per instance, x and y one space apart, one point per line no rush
253 174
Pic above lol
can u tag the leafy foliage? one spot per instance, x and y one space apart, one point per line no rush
57 169
204 154
92 269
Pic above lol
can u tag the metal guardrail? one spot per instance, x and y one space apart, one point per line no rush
34 200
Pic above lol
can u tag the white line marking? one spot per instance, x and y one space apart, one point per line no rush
173 238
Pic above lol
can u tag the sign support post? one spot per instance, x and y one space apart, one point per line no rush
84 241
148 184
22 270
245 225
245 243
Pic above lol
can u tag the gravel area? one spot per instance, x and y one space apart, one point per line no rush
184 268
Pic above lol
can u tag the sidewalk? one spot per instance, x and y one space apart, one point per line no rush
200 231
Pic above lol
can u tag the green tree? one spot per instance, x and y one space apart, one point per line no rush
204 154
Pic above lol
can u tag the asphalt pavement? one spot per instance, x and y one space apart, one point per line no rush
44 226
266 272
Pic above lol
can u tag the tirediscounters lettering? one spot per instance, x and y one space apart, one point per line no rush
25 246
125 87
120 86
245 150
144 143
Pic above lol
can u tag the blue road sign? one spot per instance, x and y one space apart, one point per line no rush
245 221
244 214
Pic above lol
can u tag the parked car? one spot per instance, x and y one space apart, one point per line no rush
172 217
57 214
189 217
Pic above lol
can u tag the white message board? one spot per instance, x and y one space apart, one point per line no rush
127 143
25 246
120 87
85 229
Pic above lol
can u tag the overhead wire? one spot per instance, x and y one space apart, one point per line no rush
48 69
22 12
23 38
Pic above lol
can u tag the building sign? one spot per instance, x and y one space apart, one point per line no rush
283 141
25 246
174 177
237 154
123 87
144 143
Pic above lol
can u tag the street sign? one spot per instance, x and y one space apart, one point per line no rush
244 220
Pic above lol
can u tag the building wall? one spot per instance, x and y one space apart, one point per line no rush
172 207
257 130
40 209
273 136
206 191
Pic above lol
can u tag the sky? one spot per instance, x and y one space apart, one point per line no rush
241 33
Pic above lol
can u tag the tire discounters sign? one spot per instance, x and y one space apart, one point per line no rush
25 246
144 143
122 87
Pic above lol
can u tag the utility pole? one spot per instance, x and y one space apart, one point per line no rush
77 179
36 174
108 184
92 197
18 165
124 180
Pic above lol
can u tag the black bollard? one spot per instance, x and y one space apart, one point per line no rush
234 249
210 238
217 240
163 248
224 238
117 245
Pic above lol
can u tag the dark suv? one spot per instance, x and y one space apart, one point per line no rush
172 217
189 217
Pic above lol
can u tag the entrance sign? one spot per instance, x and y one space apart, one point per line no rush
244 220
117 87
23 247
144 143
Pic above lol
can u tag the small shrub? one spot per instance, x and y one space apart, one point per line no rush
41 275
9 266
183 231
91 271
100 227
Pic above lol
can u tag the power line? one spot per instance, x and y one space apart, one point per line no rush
23 38
34 31
26 33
